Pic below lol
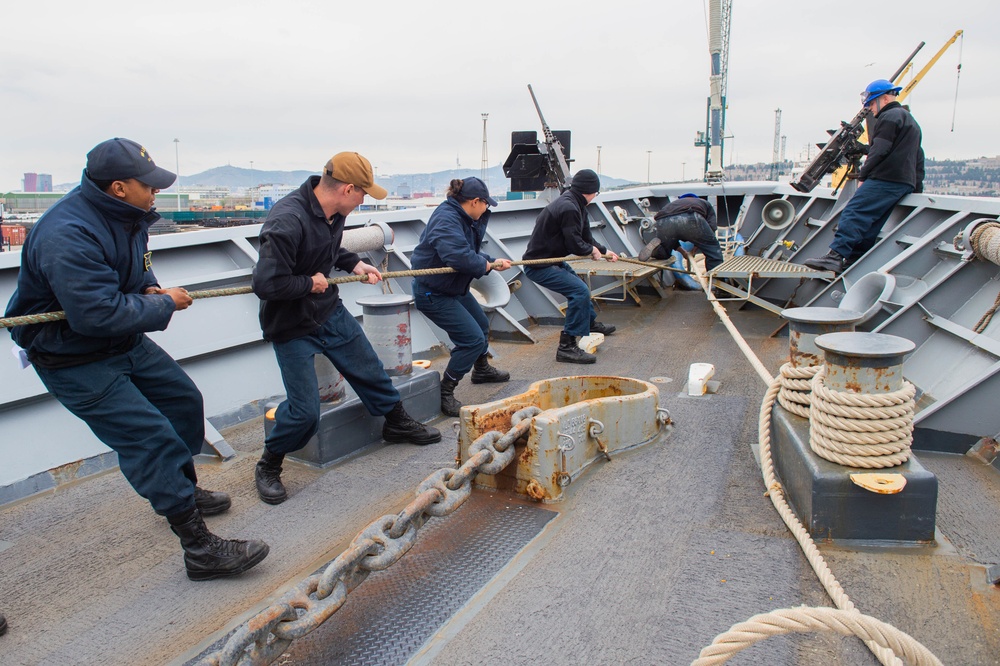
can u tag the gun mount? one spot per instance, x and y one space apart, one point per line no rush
534 165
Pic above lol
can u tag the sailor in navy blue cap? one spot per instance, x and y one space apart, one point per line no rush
89 255
124 169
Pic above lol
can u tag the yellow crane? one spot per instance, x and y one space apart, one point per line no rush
839 174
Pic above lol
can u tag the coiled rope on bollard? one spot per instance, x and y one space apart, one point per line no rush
985 242
726 648
44 317
796 388
861 429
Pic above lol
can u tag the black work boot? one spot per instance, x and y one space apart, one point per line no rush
831 261
647 252
267 475
484 373
400 428
598 327
3 625
207 556
570 352
449 405
211 502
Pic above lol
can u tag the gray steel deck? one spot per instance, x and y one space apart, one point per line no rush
652 555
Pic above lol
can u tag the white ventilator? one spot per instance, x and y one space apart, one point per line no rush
698 377
589 343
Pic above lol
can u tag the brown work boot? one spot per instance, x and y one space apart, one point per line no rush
647 252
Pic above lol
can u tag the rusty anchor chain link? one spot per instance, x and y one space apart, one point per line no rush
266 636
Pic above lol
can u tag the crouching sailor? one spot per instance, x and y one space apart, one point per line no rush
88 255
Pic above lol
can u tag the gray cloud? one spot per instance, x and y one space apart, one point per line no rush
287 84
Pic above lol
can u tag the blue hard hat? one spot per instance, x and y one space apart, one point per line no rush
877 88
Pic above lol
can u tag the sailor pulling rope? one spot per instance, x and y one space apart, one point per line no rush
43 317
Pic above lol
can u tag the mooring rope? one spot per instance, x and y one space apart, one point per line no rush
721 652
985 242
44 317
869 430
796 388
805 620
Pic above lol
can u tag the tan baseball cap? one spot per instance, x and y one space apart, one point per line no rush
355 169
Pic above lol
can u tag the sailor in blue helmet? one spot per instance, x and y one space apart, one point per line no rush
686 218
894 168
563 229
88 255
453 238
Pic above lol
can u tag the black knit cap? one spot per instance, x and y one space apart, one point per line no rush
586 181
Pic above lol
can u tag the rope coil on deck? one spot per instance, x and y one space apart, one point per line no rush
864 430
808 620
796 388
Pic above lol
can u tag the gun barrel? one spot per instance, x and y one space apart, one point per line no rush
545 126
907 62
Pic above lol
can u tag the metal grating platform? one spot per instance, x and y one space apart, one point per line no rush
392 614
628 277
745 266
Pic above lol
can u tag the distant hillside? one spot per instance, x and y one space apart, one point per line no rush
239 178
400 184
978 177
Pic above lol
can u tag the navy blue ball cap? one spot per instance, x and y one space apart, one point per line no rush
473 188
121 159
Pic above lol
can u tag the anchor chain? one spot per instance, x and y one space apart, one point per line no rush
264 637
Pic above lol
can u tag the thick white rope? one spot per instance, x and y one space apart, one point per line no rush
776 493
985 242
807 620
796 388
867 430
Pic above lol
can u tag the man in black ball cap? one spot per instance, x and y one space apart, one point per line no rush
563 229
88 255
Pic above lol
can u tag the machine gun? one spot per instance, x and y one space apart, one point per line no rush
535 165
843 148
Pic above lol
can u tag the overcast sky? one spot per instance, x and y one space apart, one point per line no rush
287 84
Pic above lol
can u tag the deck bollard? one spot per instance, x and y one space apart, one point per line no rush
387 327
864 362
806 324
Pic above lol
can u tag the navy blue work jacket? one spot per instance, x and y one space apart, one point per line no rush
296 242
88 255
451 239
